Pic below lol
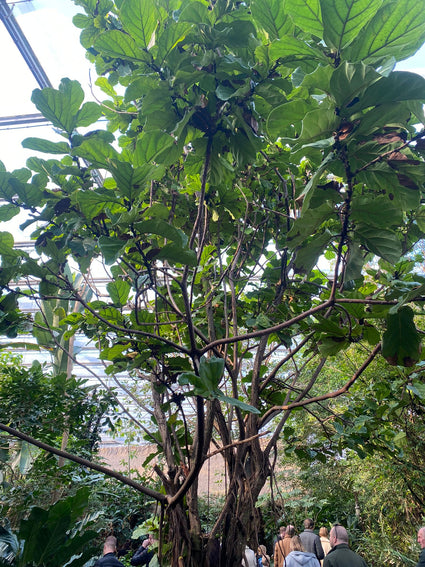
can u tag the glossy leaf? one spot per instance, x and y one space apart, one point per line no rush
116 43
60 106
119 291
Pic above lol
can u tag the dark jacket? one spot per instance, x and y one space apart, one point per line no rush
108 560
421 562
311 543
342 556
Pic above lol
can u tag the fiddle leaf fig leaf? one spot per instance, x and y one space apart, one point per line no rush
46 146
343 20
397 29
307 15
139 20
119 291
401 341
115 43
60 106
271 15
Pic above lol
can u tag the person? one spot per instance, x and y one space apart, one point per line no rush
109 550
310 540
324 540
280 535
282 547
298 557
248 558
340 554
421 541
143 555
263 560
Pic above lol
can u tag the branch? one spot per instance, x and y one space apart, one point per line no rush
85 463
339 392
269 330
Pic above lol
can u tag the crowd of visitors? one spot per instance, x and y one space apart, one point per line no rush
290 550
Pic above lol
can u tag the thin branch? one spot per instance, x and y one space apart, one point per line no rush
85 463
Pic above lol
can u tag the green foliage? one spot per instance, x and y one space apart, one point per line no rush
245 142
56 537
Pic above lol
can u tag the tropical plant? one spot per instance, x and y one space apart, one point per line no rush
245 142
54 537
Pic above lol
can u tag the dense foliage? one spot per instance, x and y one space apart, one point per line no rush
245 142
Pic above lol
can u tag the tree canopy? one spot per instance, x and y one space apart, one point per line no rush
251 205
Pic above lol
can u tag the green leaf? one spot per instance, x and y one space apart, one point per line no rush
401 341
155 146
398 30
46 146
211 370
8 211
307 15
318 124
97 152
132 181
89 113
284 116
272 17
383 243
237 403
378 211
162 228
344 19
291 49
115 43
111 248
350 80
119 291
140 19
399 86
308 256
60 106
175 254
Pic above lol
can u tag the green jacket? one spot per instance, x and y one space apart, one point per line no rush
342 556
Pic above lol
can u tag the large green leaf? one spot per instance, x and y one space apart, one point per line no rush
155 146
307 15
115 43
46 146
131 181
284 116
401 341
162 228
398 30
60 106
97 152
399 86
111 248
377 211
119 291
344 19
175 254
272 17
88 114
308 256
318 124
139 18
292 49
350 80
8 211
383 243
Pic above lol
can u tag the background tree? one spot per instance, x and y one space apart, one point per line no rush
250 140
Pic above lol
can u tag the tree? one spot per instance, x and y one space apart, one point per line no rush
245 141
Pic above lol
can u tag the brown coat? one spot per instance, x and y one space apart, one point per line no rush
281 550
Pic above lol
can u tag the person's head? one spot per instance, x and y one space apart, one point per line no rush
290 530
296 544
421 537
308 524
262 550
110 545
282 531
323 532
338 535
